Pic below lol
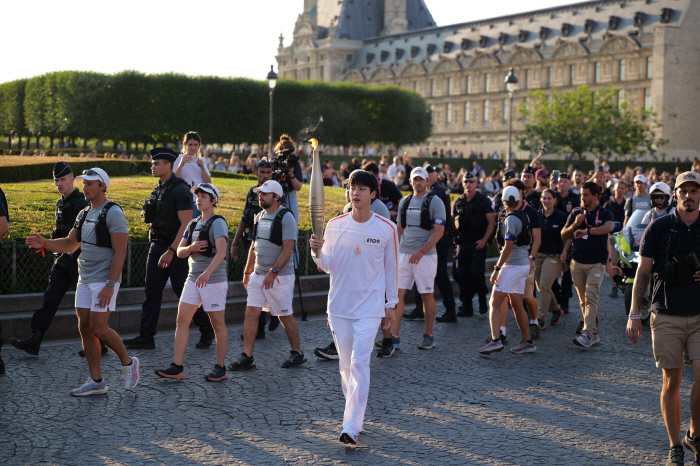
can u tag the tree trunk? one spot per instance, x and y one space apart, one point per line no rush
9 142
36 142
50 141
20 143
84 144
29 138
127 145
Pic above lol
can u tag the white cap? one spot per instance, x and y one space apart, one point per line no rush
641 178
419 171
94 174
660 186
270 187
511 191
207 188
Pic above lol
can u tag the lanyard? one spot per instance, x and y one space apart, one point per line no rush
596 219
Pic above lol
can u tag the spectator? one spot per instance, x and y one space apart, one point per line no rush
393 170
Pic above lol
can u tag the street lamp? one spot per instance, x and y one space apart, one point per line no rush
511 80
271 82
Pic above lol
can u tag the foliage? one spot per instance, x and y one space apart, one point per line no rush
12 120
15 169
587 121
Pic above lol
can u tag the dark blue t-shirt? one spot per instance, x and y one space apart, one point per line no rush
593 250
680 299
389 193
551 232
618 211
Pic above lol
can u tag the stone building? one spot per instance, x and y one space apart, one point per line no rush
645 48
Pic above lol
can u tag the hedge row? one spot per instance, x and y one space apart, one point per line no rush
43 171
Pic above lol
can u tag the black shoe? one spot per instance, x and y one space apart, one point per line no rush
244 363
172 372
217 374
104 350
274 323
2 366
258 336
415 314
503 338
579 329
31 345
534 332
483 307
448 316
206 338
465 311
676 455
387 349
329 352
143 341
295 359
556 317
692 444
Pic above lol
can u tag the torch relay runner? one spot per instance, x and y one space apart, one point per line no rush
360 252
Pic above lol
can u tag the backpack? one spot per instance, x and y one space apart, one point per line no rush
104 240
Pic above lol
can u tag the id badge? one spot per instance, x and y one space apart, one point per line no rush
584 237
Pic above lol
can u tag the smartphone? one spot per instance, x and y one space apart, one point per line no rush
194 159
543 148
555 176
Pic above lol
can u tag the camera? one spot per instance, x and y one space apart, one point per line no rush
282 166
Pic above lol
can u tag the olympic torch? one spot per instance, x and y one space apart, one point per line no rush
317 197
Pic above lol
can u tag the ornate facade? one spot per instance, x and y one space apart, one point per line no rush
645 48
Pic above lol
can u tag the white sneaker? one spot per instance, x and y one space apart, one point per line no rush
90 388
594 339
131 374
583 340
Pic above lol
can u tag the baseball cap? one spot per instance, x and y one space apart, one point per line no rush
541 172
270 187
419 171
530 170
429 169
511 191
565 176
207 188
94 174
643 178
686 177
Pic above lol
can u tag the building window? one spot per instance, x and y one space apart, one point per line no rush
321 73
506 110
486 112
432 112
308 73
621 97
650 62
467 113
623 69
448 122
308 59
284 62
596 74
550 74
527 79
449 86
415 86
296 60
647 99
572 75
469 84
432 88
323 57
487 82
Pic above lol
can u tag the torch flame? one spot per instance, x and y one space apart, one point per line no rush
314 143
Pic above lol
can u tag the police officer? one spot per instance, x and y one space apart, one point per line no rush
64 272
245 227
669 250
473 222
168 211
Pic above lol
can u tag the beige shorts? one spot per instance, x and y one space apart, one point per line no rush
530 285
672 336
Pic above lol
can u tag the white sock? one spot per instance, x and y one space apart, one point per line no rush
503 331
533 321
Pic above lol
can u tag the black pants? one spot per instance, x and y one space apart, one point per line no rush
471 269
156 279
442 277
63 275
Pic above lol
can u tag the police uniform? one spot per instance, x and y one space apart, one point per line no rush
161 212
64 272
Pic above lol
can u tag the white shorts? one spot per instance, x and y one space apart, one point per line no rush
512 278
86 297
212 297
423 273
277 300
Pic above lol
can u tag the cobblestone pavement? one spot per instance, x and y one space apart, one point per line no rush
561 405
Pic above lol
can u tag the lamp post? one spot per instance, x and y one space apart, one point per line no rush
511 80
271 82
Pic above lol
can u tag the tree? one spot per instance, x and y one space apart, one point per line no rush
12 109
583 120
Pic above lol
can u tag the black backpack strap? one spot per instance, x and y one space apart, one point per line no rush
404 210
190 229
80 219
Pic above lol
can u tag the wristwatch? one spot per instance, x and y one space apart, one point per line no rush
109 282
495 267
531 257
588 230
170 248
274 270
609 259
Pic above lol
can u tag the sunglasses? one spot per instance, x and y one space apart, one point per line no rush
91 172
470 181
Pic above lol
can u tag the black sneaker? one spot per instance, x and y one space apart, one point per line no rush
692 444
104 350
2 366
543 325
556 317
217 374
483 306
274 323
676 455
244 363
329 352
579 329
465 311
415 314
447 316
172 372
504 339
258 336
143 341
206 338
534 332
387 349
295 359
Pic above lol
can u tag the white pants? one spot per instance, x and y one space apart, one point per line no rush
354 340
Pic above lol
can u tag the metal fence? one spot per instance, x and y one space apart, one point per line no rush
25 271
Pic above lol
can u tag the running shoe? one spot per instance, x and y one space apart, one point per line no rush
556 317
131 374
579 329
329 352
583 341
491 347
676 455
90 388
172 372
244 363
503 338
595 339
534 331
542 324
428 342
396 341
348 437
524 347
217 374
692 444
295 359
387 350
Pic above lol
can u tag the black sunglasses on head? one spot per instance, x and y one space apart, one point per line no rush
91 172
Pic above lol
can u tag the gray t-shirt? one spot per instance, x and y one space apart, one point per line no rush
266 253
518 256
94 262
198 263
637 203
414 236
377 206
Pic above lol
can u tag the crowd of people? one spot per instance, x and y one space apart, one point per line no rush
552 230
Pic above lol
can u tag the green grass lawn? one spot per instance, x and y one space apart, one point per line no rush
31 204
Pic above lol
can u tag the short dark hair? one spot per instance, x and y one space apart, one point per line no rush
364 178
551 193
592 187
371 167
517 183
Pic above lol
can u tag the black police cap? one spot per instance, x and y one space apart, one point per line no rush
61 169
163 153
429 169
530 169
508 174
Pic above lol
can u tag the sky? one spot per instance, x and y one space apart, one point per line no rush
205 37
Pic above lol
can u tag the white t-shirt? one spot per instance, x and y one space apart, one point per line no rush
362 259
191 172
393 171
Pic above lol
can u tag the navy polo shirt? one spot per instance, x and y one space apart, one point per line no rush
679 300
568 203
534 218
593 250
551 232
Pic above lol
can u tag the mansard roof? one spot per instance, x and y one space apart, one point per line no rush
362 19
